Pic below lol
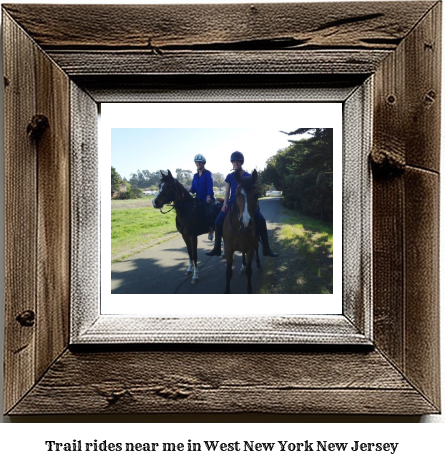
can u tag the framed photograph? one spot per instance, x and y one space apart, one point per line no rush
156 136
368 346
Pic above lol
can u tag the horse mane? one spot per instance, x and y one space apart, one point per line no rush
185 194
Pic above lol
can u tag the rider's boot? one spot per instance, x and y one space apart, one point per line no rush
216 251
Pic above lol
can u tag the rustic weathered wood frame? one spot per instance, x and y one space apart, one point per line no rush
78 56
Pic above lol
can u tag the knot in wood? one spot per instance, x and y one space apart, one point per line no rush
430 97
172 393
112 394
386 163
26 318
114 397
37 126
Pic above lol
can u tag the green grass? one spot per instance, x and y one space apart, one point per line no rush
135 229
145 201
304 265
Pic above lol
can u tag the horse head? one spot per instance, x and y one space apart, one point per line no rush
167 190
246 198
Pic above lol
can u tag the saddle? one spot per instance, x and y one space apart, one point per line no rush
200 206
216 208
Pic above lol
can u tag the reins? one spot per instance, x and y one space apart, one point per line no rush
188 218
174 206
170 204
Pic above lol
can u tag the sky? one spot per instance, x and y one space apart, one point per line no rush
164 136
172 148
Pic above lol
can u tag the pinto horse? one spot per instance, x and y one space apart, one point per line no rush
190 222
239 229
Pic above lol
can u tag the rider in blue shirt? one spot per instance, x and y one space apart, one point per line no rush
230 179
237 159
202 186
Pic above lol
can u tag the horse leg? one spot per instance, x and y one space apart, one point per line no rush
229 271
189 251
249 271
242 271
194 242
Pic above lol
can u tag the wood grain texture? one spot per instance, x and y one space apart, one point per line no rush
20 212
357 209
129 63
228 39
388 268
423 92
221 382
407 113
159 27
389 142
422 364
399 42
53 227
109 329
406 208
388 200
85 208
37 221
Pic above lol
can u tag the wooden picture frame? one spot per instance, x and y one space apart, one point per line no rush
56 72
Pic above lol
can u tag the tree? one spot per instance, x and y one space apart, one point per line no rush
141 179
218 180
261 185
134 181
154 178
304 172
187 174
136 193
115 181
271 175
318 149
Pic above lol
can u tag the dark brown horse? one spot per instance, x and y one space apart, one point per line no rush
239 229
190 222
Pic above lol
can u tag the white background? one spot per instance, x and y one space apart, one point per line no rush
23 441
233 115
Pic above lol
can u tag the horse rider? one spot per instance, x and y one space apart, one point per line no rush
202 186
237 160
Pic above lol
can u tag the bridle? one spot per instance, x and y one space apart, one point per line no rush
241 224
170 199
173 200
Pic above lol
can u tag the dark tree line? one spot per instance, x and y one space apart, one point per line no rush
144 179
304 172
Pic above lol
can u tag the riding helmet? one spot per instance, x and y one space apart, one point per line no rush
200 158
237 156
